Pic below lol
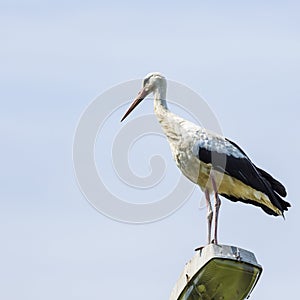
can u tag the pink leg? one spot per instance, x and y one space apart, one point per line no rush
217 208
209 215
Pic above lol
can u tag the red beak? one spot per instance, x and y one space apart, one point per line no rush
141 95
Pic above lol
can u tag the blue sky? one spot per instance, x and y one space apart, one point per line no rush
56 56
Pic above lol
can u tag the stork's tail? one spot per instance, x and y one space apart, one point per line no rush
278 191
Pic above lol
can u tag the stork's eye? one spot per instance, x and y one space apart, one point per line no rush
146 80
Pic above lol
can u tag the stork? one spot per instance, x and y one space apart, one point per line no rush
215 163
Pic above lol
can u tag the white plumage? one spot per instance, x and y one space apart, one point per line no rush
216 164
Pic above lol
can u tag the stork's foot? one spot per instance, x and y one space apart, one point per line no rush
199 248
211 242
214 241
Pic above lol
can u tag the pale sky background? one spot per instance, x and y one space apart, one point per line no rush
56 56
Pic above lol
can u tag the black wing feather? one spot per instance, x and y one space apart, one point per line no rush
276 185
244 170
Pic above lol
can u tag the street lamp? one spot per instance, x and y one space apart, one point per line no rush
218 272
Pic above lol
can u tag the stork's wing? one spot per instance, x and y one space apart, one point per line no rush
276 185
225 156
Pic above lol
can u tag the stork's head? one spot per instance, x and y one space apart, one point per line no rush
151 82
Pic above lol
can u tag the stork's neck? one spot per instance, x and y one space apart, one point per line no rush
160 103
167 119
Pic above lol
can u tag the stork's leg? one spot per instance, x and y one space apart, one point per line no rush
209 214
217 207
